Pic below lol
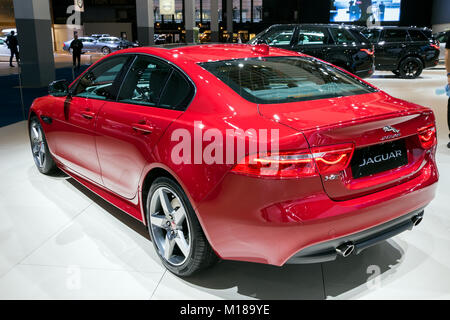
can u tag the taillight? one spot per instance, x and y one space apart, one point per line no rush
427 136
368 51
332 159
291 164
435 46
295 164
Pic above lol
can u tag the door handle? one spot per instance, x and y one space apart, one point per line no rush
142 128
88 115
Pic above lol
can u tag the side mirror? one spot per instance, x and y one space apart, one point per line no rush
260 41
59 88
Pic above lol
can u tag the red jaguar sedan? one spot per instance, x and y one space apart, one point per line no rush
240 152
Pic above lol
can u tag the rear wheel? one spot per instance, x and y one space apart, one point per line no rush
175 230
106 50
41 154
410 68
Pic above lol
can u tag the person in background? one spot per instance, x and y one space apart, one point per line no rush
76 45
382 9
447 67
13 44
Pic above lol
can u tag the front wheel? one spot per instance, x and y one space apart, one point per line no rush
41 153
175 230
410 68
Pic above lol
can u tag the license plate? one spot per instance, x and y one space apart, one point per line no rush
378 158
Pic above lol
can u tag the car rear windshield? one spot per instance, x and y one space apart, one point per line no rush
285 79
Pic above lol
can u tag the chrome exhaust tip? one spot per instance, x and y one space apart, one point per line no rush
416 220
346 249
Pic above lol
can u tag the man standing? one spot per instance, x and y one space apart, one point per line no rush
447 66
76 45
13 44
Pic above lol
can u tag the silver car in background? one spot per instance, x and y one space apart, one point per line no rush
4 51
104 45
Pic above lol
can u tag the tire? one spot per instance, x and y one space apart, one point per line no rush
410 68
39 148
106 50
396 72
175 230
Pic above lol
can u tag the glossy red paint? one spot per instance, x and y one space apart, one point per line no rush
112 147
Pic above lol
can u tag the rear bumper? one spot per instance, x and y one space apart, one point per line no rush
271 221
432 62
326 251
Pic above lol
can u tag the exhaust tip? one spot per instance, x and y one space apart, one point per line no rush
346 249
417 220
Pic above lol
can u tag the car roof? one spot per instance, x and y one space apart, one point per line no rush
326 25
401 28
217 52
211 52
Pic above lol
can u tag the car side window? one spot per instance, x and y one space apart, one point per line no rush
417 35
393 35
341 36
177 93
441 38
313 36
144 81
373 35
98 83
279 36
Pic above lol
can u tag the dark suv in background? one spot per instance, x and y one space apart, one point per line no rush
343 46
405 51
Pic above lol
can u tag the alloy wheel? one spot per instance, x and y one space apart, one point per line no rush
411 68
38 144
170 226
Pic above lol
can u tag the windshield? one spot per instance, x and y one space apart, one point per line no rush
285 79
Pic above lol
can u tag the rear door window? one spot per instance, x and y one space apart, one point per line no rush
395 35
341 36
359 36
145 81
313 36
177 93
373 35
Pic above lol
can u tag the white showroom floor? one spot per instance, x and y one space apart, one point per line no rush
60 241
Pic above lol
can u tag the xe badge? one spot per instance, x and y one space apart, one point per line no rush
392 136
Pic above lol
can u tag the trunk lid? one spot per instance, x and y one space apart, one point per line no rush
376 124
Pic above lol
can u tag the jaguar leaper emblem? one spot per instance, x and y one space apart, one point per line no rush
390 129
